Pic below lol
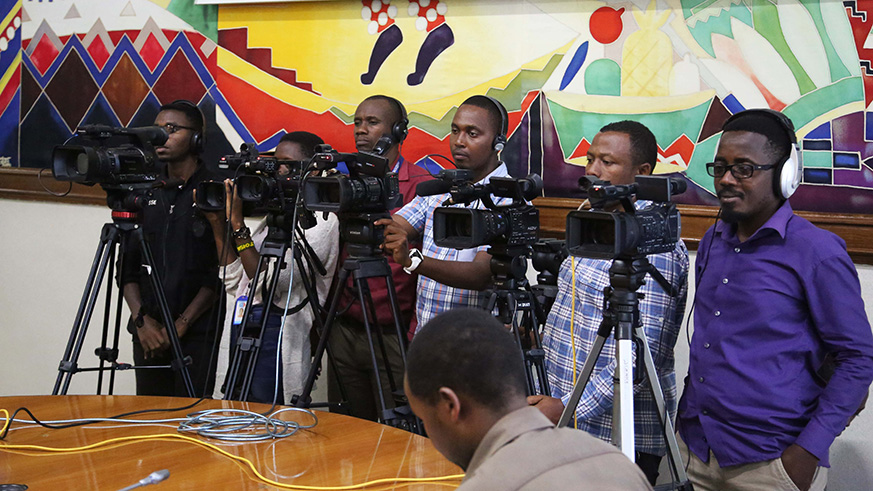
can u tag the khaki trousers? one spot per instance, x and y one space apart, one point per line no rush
769 474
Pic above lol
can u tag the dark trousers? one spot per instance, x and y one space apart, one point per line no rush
202 349
649 464
264 378
354 368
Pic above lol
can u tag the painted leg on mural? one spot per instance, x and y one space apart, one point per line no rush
435 43
388 41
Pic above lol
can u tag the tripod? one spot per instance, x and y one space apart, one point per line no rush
517 306
365 261
621 316
125 226
273 250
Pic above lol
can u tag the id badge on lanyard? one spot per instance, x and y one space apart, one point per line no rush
239 309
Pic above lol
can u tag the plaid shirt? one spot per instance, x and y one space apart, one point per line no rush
661 316
435 297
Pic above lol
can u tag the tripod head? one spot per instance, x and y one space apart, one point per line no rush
509 266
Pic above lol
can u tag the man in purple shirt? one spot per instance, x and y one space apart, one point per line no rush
775 296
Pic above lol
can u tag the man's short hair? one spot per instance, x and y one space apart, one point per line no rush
191 112
494 111
644 148
754 121
397 109
307 141
470 352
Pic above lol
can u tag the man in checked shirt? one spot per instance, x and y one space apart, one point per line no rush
618 153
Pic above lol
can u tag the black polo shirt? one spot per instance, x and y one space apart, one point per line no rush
183 247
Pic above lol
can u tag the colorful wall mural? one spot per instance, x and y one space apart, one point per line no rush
563 69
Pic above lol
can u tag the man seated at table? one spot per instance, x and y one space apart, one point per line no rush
465 379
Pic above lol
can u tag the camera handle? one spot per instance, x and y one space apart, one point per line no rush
621 317
123 228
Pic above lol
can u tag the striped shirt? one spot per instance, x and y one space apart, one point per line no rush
435 297
661 316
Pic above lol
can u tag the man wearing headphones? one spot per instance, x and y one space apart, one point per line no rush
450 278
775 296
619 152
377 116
186 260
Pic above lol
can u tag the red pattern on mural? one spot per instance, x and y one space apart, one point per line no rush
861 26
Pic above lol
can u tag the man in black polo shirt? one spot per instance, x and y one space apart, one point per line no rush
186 260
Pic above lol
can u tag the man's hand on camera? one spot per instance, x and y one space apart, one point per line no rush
396 241
233 205
551 407
152 337
215 218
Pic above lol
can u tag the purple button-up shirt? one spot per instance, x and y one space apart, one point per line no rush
767 311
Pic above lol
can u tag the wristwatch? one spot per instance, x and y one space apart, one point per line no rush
416 257
242 233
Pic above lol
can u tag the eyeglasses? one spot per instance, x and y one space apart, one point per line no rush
739 171
172 127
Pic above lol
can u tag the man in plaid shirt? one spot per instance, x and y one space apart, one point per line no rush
617 154
450 278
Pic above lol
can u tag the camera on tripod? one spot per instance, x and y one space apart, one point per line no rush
262 187
99 154
515 224
358 199
600 234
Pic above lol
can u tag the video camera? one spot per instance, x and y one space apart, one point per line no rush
112 157
514 225
261 187
600 234
359 199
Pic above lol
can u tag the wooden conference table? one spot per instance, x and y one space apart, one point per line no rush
339 451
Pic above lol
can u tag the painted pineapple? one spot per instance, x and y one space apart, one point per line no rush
647 56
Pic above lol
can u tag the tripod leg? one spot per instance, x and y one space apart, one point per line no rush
68 365
362 285
304 400
582 380
102 352
623 403
669 433
178 363
242 345
256 346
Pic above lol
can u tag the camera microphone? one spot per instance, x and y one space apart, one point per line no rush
433 187
678 185
383 145
531 186
152 134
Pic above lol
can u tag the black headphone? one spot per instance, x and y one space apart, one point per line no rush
400 129
789 169
500 139
198 138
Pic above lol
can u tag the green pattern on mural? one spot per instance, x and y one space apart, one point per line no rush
703 153
825 99
718 23
574 125
603 77
818 159
837 68
204 18
767 24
